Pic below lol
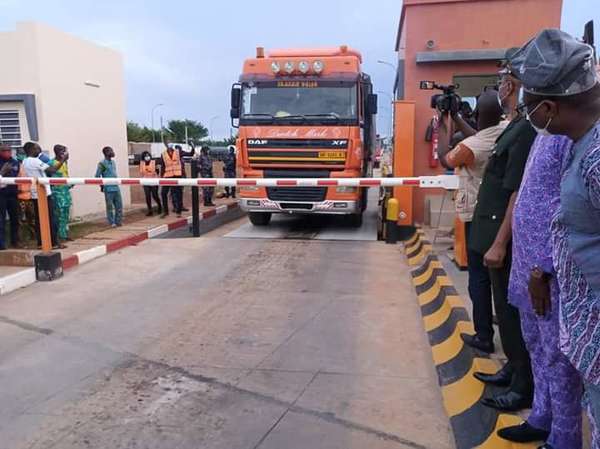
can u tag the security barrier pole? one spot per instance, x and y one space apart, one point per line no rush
44 217
404 158
48 264
195 202
392 230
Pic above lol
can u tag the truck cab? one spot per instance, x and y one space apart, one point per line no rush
304 114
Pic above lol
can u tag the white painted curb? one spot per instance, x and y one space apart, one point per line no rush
17 280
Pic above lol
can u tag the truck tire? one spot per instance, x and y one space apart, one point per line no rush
260 218
356 220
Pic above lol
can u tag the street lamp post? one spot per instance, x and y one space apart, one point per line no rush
156 106
392 66
388 64
210 125
391 110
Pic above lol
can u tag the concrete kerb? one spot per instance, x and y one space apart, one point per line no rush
26 276
444 319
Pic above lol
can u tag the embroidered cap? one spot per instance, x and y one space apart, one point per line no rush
554 63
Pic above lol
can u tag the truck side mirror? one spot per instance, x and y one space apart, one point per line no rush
372 104
236 96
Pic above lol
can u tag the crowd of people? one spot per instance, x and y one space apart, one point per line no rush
20 202
529 194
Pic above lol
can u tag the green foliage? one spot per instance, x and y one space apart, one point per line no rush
175 131
196 130
136 133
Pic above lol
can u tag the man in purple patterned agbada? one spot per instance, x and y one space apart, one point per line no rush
556 413
562 97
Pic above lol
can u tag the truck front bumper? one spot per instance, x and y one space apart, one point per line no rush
299 207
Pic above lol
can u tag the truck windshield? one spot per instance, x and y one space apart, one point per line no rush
310 102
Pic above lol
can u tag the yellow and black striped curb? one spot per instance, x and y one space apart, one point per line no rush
445 318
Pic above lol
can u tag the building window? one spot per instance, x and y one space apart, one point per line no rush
471 86
10 128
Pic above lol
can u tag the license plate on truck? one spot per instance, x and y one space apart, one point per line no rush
332 155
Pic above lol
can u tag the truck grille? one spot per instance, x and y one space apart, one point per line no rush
294 194
298 152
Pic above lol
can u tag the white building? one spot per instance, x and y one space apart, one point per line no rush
56 88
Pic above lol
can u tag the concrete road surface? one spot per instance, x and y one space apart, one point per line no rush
222 343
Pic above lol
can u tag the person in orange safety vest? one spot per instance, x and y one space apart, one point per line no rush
148 169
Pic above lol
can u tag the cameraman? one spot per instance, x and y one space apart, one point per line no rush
469 159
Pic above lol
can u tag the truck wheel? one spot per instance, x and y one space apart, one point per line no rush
259 218
356 220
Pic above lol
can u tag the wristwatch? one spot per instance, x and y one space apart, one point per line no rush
538 273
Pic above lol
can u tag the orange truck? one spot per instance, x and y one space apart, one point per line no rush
304 113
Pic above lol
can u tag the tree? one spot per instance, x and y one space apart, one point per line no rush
136 133
196 130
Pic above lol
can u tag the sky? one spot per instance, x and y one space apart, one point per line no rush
186 54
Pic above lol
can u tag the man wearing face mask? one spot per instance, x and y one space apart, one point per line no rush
562 96
490 237
171 167
148 169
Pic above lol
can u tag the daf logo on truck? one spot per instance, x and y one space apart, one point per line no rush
298 113
257 142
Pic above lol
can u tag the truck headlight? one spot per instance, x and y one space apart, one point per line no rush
249 188
345 189
275 67
289 67
304 67
318 66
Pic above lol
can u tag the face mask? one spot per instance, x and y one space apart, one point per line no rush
541 131
147 158
521 95
500 100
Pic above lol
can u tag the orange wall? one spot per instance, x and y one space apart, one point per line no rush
477 24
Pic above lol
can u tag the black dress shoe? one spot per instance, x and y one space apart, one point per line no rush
501 379
510 401
523 433
475 341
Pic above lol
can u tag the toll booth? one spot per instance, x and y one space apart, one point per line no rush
451 42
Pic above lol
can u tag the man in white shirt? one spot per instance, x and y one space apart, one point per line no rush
34 167
469 159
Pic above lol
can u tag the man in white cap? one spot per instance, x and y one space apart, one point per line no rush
562 97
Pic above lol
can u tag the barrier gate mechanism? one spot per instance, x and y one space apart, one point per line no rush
448 182
50 265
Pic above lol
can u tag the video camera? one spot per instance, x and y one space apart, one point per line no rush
448 101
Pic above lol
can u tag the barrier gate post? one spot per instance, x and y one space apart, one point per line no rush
44 217
48 264
195 201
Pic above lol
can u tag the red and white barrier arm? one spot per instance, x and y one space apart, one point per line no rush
449 182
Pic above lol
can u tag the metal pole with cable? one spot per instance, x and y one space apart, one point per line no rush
210 126
152 119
